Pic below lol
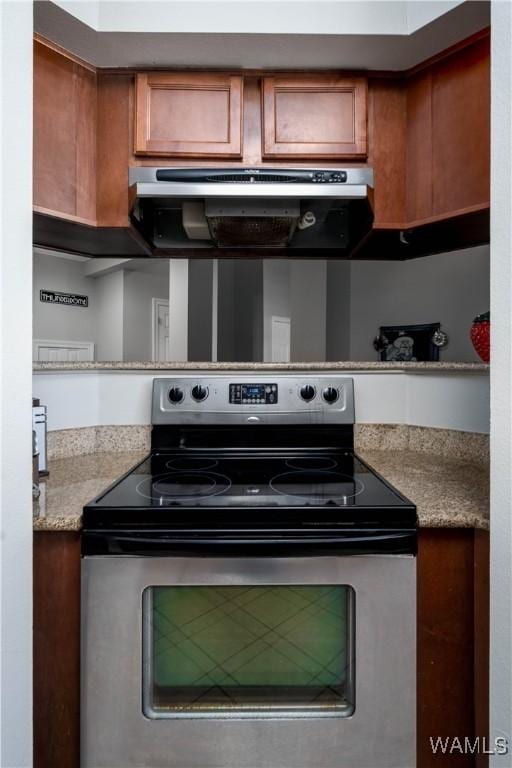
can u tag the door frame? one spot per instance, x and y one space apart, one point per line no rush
155 305
275 319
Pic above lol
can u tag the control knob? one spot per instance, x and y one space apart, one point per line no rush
330 395
176 395
307 392
199 393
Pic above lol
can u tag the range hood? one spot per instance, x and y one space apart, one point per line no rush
235 211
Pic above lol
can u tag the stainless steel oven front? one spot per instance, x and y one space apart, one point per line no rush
253 662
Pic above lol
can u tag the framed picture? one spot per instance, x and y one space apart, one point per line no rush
410 343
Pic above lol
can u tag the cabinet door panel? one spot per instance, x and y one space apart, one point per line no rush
419 147
461 130
314 117
113 149
86 126
190 115
387 149
54 131
64 135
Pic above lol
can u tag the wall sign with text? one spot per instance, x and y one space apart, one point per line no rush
68 299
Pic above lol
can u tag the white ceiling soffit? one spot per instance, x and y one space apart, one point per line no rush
347 17
59 254
104 266
340 35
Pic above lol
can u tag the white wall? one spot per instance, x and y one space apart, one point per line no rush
451 401
373 17
15 389
276 298
140 287
110 316
119 316
501 378
451 288
178 309
58 321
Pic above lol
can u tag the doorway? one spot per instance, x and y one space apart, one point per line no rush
160 330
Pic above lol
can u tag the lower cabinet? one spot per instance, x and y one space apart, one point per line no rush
56 649
453 646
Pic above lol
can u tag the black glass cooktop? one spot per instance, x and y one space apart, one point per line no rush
266 487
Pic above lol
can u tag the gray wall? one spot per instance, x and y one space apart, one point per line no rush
335 307
225 312
307 304
240 311
248 310
200 278
296 289
58 322
337 335
450 288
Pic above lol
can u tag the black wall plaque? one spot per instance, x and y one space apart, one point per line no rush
67 299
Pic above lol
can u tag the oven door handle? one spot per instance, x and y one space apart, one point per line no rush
237 543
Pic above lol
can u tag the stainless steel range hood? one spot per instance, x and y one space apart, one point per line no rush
222 211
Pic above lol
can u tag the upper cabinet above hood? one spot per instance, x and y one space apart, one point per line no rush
181 211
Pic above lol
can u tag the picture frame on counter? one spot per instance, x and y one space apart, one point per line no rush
410 343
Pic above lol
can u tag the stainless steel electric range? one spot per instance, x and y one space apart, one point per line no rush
248 590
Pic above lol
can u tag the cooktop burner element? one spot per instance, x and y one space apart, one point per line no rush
323 485
311 462
179 485
190 462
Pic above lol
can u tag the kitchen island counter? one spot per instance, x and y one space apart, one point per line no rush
448 493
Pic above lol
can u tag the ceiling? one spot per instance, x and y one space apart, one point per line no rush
257 34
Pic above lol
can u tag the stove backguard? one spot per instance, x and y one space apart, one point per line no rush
253 410
257 437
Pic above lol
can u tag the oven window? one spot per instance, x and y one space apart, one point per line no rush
248 650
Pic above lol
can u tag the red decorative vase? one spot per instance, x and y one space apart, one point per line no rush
481 336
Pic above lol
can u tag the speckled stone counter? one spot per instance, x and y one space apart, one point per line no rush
345 365
75 481
447 492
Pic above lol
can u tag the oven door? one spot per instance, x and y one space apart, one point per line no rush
285 662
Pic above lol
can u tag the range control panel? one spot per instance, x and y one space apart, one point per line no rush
253 398
253 394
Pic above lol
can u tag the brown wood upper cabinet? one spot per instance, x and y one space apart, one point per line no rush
448 135
64 136
188 114
314 117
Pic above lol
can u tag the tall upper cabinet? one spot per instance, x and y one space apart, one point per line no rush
64 135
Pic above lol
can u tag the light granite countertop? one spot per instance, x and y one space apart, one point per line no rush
448 493
347 365
73 482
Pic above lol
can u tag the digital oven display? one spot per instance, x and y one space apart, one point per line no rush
253 394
